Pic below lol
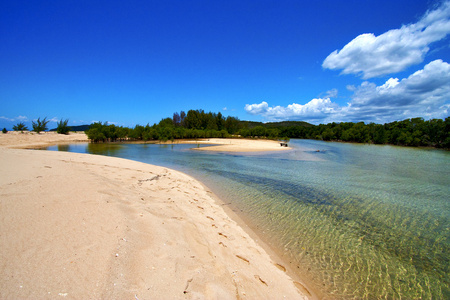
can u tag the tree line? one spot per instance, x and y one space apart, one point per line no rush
199 124
409 132
192 125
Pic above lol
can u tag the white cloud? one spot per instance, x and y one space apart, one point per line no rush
331 93
6 119
257 109
316 109
19 118
425 93
393 51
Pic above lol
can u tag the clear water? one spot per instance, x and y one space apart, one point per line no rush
356 221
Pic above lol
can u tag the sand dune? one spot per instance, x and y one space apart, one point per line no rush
88 227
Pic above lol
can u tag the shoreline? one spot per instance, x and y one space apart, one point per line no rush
133 229
30 140
240 145
277 256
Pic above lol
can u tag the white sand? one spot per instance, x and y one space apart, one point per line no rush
29 139
241 145
93 227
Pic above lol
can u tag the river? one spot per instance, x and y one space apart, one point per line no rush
356 221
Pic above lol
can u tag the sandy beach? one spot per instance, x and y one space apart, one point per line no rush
83 226
28 139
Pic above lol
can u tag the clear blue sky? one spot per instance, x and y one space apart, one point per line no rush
136 62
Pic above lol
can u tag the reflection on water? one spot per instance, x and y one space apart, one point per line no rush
63 147
358 221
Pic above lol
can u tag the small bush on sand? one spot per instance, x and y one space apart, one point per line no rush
20 127
39 125
62 127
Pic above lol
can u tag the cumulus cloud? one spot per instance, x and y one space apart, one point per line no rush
257 109
393 51
425 93
316 109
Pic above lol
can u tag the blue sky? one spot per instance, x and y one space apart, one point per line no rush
136 62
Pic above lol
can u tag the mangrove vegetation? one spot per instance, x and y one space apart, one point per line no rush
198 124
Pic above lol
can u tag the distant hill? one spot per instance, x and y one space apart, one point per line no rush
76 128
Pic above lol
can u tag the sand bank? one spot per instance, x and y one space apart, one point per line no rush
239 145
88 227
28 139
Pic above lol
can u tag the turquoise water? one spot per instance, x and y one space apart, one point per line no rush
356 221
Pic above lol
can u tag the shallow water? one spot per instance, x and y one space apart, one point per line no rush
358 221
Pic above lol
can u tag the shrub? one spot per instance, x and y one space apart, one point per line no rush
20 127
62 127
4 130
39 125
95 135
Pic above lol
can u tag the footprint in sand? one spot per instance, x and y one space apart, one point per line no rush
220 233
243 258
302 288
281 267
262 281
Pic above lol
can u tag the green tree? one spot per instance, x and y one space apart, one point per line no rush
95 135
232 125
346 135
137 132
244 132
122 132
176 119
20 127
273 133
445 137
328 134
167 122
4 130
150 134
211 125
39 125
379 136
98 132
220 121
258 131
405 138
193 120
62 127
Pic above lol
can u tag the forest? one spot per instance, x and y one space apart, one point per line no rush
198 124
